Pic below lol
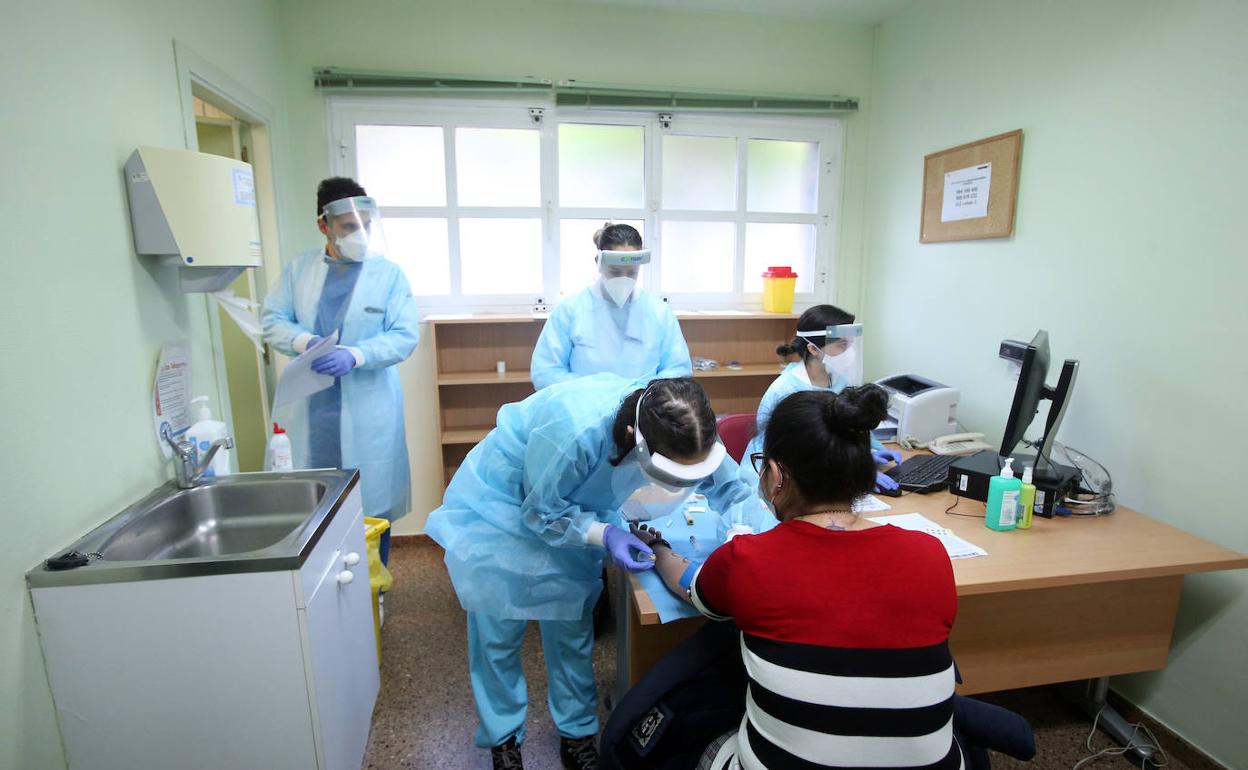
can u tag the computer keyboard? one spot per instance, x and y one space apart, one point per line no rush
924 473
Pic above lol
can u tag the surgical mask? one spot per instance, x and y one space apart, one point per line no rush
841 367
354 247
619 289
655 500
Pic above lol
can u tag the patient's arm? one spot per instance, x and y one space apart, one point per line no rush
674 569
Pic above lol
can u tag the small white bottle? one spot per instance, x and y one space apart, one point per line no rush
205 431
280 458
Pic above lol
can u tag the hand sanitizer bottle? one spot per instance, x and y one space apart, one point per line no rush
1002 512
205 431
1026 499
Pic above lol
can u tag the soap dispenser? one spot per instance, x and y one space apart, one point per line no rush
1026 498
205 431
1002 511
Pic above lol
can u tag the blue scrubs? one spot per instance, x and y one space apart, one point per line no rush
588 333
325 443
515 523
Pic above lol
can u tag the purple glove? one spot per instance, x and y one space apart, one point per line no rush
885 456
884 482
312 342
335 363
620 544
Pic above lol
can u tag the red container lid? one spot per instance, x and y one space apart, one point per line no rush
278 429
782 271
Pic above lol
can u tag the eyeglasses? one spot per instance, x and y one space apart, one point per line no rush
758 460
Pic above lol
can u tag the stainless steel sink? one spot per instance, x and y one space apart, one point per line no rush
242 523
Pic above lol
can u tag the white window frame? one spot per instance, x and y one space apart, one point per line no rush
345 112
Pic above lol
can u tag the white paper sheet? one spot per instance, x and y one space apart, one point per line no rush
956 547
870 504
298 381
966 193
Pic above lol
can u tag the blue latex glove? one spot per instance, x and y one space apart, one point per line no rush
621 544
335 363
312 342
885 456
884 482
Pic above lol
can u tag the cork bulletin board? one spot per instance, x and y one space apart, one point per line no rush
969 191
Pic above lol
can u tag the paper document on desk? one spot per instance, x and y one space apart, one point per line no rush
298 381
870 504
956 547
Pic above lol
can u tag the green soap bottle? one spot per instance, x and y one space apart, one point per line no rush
1026 499
1002 513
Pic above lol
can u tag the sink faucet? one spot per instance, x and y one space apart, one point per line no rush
188 465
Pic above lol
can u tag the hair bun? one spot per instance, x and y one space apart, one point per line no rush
858 409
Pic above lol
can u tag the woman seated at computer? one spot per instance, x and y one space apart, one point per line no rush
845 623
829 363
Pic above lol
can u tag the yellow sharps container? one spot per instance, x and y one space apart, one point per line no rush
779 284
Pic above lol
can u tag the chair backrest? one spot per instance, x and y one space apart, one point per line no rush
736 430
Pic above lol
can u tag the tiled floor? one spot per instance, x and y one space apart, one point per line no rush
425 719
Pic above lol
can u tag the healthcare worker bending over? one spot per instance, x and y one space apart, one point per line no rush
830 362
529 517
612 326
347 286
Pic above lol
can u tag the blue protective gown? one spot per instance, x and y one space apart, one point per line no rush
514 523
793 379
581 337
372 304
515 516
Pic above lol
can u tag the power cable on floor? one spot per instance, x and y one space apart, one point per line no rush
1118 751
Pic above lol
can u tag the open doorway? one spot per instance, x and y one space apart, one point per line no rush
246 369
222 116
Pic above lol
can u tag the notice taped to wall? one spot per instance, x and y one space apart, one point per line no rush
171 394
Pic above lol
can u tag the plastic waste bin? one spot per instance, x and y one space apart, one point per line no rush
379 577
779 284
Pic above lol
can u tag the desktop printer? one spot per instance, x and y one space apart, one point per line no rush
917 407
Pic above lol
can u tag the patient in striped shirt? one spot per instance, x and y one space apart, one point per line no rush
845 623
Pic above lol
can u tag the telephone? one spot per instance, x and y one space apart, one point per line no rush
958 444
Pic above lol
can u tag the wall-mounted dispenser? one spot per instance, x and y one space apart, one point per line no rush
197 209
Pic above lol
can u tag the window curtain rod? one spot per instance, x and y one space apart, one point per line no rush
572 93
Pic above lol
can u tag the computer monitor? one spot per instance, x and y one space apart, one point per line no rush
1031 390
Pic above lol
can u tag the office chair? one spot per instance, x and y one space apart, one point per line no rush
736 430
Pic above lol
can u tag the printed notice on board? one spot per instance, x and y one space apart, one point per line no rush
966 193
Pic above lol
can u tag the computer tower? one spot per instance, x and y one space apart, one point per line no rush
969 477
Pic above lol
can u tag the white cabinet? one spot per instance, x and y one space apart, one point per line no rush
264 670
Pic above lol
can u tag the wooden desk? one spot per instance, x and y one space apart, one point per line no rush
1071 598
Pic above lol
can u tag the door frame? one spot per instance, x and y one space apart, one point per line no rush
196 73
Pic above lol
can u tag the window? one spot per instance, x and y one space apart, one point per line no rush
484 208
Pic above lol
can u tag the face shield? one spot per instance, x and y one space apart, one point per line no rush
354 226
619 270
666 472
842 351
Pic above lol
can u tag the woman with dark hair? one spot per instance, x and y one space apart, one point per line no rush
611 326
844 622
822 366
529 517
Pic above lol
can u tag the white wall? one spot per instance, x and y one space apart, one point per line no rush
1127 248
86 82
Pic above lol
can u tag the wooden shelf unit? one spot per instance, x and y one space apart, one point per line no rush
470 390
